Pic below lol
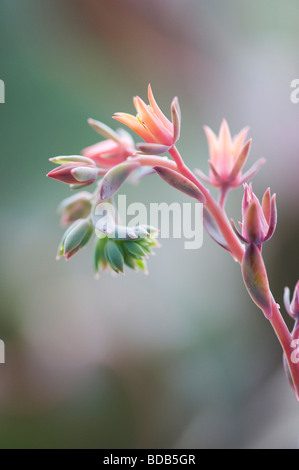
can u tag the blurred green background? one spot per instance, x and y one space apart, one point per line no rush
180 358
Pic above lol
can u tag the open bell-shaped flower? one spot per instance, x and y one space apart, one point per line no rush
152 125
228 156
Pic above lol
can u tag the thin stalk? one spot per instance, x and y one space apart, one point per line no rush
236 248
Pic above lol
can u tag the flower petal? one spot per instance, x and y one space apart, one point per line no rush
176 119
135 125
153 124
252 171
104 130
158 111
273 218
240 162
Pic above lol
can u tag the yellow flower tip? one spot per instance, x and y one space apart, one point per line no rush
139 119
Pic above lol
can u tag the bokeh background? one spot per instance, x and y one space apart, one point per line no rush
180 358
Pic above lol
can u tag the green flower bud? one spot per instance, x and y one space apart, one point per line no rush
113 253
75 237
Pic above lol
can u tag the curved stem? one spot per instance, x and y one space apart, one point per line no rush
236 248
223 194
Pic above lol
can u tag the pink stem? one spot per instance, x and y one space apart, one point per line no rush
223 193
236 248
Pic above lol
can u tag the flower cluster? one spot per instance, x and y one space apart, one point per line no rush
117 159
112 254
227 158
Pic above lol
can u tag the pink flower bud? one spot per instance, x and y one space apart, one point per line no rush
75 173
258 221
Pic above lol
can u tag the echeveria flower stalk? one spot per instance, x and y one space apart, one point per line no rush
116 159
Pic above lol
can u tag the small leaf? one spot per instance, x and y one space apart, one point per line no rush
141 264
104 130
99 257
76 236
176 119
72 158
180 182
213 229
134 249
255 279
60 250
114 255
152 149
129 260
115 177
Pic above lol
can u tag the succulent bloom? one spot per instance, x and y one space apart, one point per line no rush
112 151
292 307
228 155
152 125
258 220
